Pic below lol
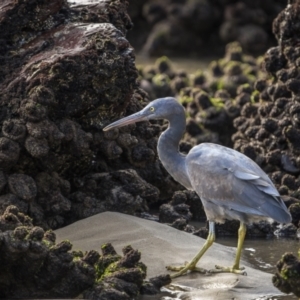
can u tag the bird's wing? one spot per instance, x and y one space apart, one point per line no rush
230 179
262 184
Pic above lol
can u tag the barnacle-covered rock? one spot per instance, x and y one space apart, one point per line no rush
268 131
37 148
118 277
68 70
66 80
287 277
209 96
169 213
201 26
34 265
13 217
52 200
103 11
10 199
9 153
287 230
124 191
32 112
22 186
14 130
3 180
153 285
178 210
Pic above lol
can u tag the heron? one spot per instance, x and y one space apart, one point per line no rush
230 185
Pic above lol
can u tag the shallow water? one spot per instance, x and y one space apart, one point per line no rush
263 254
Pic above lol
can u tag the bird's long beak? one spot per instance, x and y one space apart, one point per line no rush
137 117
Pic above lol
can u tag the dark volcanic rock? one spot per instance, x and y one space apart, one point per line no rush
175 27
231 227
271 136
287 278
22 186
208 96
119 278
33 265
122 191
286 230
154 284
184 206
177 209
67 71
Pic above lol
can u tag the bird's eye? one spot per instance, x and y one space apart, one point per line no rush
152 108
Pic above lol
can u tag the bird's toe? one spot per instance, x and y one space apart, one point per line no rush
174 268
182 270
221 269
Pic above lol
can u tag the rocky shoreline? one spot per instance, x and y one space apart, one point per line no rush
67 71
197 27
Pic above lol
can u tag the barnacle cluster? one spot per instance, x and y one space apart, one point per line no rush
194 27
34 265
268 131
59 87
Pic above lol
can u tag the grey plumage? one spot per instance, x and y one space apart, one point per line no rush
230 185
228 179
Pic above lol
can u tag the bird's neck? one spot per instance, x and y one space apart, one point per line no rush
168 152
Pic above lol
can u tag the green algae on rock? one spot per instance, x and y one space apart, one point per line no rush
34 265
287 278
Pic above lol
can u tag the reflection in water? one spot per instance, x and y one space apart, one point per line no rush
263 254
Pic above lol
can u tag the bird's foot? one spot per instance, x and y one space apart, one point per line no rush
235 270
183 270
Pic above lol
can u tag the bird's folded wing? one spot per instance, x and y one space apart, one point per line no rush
261 183
236 188
245 175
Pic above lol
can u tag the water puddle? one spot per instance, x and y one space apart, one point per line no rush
263 254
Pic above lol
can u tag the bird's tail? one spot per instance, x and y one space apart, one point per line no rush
278 211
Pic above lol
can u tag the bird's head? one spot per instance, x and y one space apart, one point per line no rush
160 108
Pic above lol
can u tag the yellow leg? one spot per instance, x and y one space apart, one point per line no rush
181 270
236 266
241 238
